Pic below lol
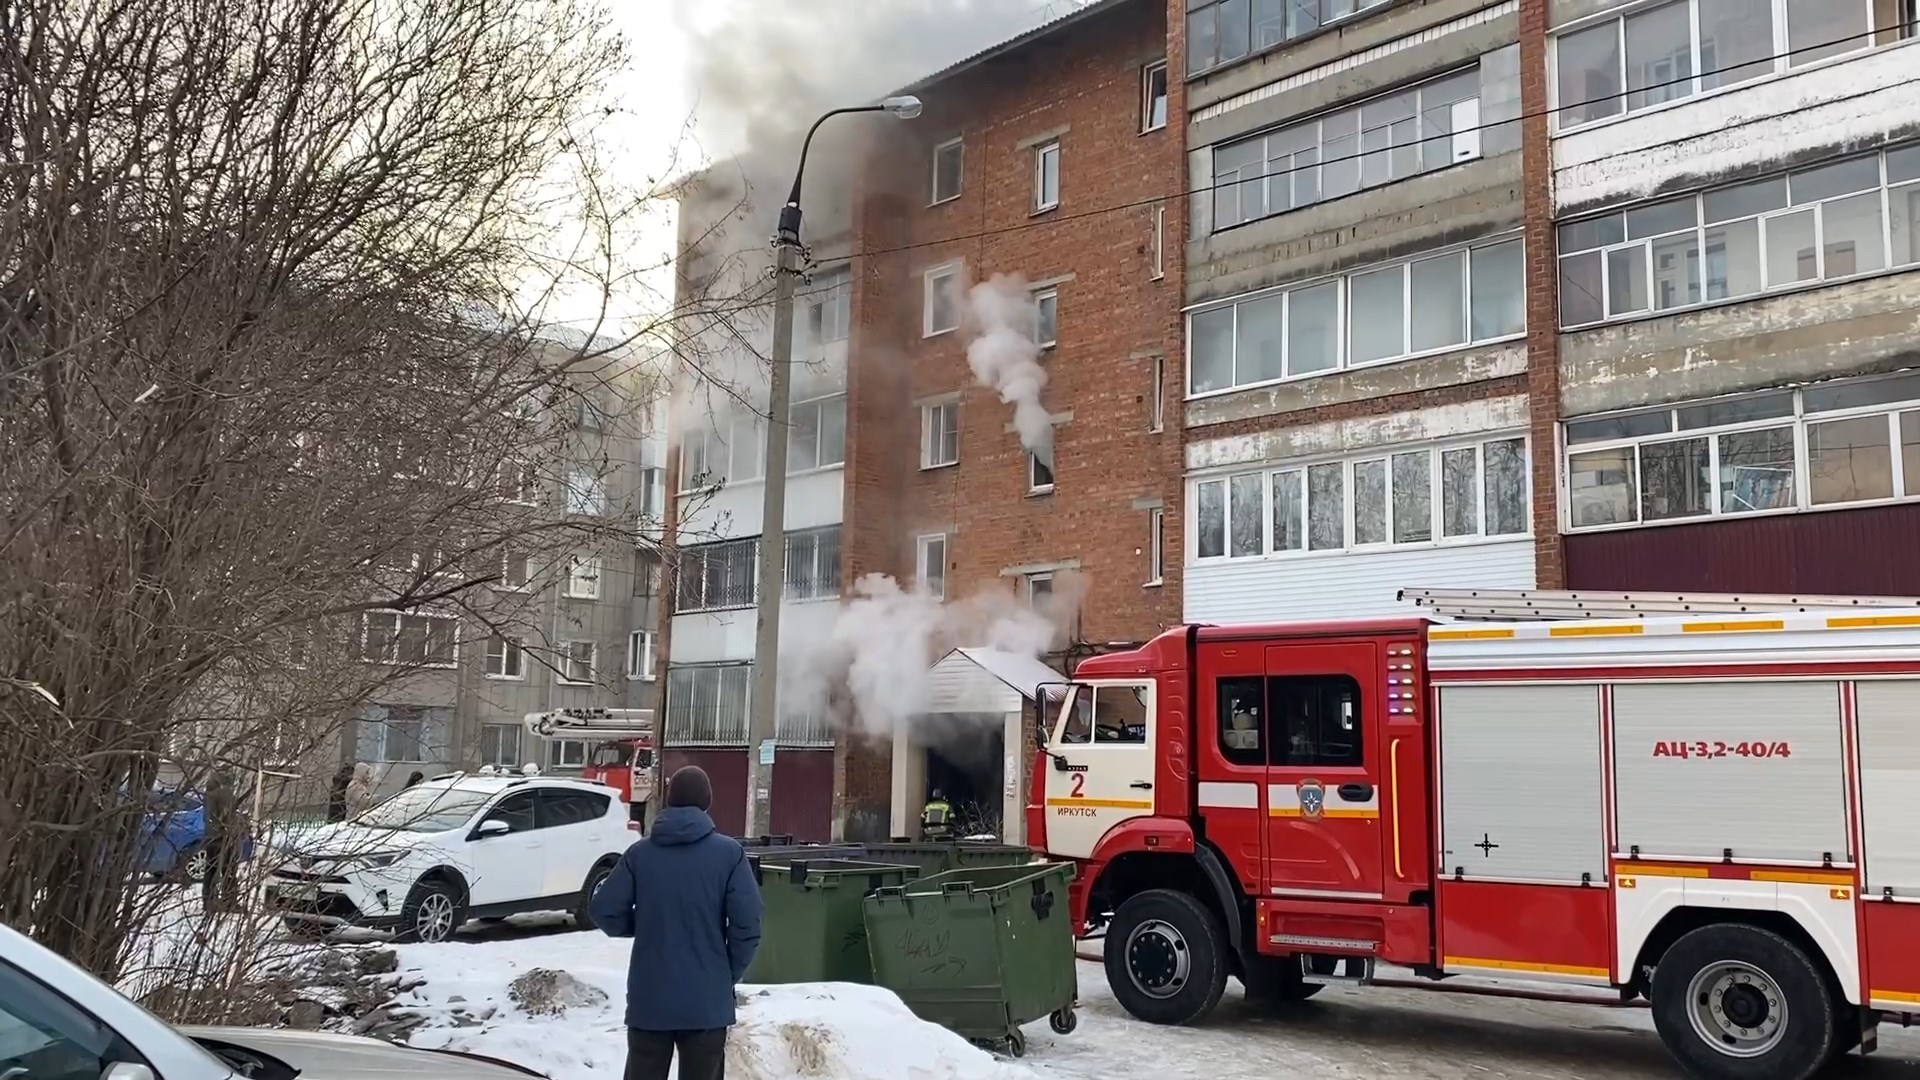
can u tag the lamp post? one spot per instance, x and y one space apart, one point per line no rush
763 721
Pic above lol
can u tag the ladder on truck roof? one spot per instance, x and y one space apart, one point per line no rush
1519 605
603 724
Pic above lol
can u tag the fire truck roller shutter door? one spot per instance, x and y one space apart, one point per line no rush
1889 747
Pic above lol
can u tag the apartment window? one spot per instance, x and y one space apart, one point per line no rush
1821 223
586 491
1157 395
392 637
1040 590
1467 296
519 483
500 745
714 577
653 496
505 658
939 434
401 734
640 654
817 434
583 577
1386 139
1446 494
930 564
1046 317
1153 96
566 754
578 661
1046 176
1833 444
1157 245
827 308
1653 55
1040 470
733 449
590 411
940 302
1228 30
813 564
707 703
1156 546
646 572
515 570
947 161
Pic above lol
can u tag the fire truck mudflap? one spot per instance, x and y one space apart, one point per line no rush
1712 813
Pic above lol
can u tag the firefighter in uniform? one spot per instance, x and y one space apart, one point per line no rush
936 821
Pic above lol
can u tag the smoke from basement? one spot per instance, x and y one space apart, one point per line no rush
876 655
1004 357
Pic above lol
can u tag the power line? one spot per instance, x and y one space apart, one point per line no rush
1136 204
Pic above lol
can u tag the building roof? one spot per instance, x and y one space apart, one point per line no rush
1047 29
1023 673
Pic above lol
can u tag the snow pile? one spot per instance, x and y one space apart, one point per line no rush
832 1031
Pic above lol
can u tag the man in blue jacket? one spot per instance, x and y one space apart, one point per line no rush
687 898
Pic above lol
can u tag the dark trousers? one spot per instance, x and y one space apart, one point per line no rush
220 890
703 1054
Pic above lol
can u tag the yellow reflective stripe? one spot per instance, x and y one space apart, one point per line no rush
1105 804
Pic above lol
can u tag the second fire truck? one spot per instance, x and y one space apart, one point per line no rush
1718 813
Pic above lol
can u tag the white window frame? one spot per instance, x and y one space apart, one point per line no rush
1290 32
1035 578
1034 485
1436 502
583 578
827 309
566 755
733 549
391 654
653 496
821 547
569 656
508 557
821 406
934 195
640 656
1043 199
686 697
930 438
586 491
1343 360
1147 98
1156 547
929 284
923 546
1157 396
493 759
1157 245
509 657
1041 299
1778 58
1888 190
1896 406
525 483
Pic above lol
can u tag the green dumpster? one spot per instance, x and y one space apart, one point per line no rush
934 857
979 950
812 928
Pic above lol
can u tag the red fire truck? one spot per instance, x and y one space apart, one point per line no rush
621 754
1714 807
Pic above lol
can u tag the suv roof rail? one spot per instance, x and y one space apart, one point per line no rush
454 775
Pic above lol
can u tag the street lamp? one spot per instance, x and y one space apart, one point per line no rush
773 512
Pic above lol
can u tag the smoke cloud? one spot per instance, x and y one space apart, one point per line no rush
1005 359
884 639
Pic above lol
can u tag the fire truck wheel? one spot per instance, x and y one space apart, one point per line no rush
1742 1003
1276 979
1166 957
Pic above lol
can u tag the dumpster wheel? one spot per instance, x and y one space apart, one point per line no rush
1017 1043
1063 1021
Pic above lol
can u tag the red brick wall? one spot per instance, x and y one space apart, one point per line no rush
1543 295
1113 318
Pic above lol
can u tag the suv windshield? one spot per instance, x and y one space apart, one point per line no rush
424 809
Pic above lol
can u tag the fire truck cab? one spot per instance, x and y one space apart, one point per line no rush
1715 813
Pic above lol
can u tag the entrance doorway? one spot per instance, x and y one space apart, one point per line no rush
966 757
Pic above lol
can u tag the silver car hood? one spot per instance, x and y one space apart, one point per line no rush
322 1056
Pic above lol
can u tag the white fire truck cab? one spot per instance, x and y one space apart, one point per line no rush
1719 813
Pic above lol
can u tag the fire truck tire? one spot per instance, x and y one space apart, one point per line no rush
1273 980
1737 1002
1166 957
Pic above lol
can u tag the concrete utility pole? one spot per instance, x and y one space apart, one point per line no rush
788 259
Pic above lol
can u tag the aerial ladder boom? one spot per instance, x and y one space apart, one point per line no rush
1519 605
602 724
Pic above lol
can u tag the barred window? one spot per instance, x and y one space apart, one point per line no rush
707 703
717 576
813 564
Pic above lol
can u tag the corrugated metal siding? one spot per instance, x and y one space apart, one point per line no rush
1847 552
802 789
1347 586
958 685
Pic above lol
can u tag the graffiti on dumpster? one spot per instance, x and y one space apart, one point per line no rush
929 952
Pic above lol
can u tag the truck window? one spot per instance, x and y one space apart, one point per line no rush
1315 721
1079 725
1120 714
1242 711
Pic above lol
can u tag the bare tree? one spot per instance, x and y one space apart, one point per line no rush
276 413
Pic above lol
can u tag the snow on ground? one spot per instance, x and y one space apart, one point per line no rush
1376 1033
830 1031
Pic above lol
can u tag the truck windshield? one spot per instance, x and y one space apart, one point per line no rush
1106 714
424 809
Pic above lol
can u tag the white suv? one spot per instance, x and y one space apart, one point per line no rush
455 848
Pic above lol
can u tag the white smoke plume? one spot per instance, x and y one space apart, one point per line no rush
874 661
1004 358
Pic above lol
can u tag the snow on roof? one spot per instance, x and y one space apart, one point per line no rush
1023 673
